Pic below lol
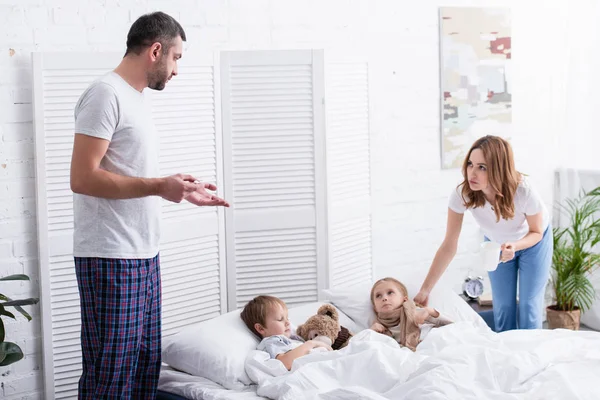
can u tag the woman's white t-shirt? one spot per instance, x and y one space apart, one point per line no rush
527 202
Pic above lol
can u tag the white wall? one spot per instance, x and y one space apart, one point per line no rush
409 189
579 147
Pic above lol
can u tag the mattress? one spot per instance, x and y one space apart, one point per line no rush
176 385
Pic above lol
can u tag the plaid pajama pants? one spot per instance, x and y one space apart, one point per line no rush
120 327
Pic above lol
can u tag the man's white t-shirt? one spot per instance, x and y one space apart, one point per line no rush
113 110
527 202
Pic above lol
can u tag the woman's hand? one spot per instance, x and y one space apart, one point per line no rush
508 252
377 327
422 298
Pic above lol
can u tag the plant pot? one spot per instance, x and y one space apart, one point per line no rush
558 319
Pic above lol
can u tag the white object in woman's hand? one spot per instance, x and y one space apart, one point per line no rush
508 252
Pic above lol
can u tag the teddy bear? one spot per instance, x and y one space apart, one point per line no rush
325 326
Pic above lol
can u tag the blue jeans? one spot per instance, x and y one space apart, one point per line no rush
532 266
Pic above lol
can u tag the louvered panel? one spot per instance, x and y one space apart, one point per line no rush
191 281
348 168
351 252
66 325
57 92
274 167
185 115
280 262
61 92
264 84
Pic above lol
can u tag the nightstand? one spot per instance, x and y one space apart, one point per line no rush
485 312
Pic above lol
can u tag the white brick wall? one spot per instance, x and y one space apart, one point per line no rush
409 189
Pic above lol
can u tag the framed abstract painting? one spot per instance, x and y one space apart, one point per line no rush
476 61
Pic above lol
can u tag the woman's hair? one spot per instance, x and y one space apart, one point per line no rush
502 176
395 281
257 310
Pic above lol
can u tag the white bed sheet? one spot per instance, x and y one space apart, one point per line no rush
197 388
457 361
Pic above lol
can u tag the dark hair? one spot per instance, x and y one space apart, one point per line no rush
152 28
257 310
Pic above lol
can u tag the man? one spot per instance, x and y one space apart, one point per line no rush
114 173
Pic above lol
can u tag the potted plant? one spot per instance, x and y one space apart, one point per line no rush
573 260
10 352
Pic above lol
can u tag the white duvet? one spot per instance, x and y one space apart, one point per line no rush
458 361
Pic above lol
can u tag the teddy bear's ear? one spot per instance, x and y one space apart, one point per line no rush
300 331
328 310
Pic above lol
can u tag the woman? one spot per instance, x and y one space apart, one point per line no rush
510 213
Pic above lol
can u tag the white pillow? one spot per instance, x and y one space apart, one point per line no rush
216 349
355 301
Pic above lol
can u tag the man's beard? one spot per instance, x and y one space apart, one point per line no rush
157 79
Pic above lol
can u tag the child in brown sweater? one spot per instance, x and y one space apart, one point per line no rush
399 317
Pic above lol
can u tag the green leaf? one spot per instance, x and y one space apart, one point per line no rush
4 312
595 192
23 302
9 353
8 314
18 277
23 312
2 333
18 303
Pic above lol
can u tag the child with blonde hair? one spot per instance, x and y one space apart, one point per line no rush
399 317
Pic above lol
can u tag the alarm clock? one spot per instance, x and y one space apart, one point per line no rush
473 287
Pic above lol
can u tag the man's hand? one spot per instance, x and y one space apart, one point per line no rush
201 197
177 187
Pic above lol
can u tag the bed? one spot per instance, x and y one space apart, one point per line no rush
215 359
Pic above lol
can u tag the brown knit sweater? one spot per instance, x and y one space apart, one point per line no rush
409 332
